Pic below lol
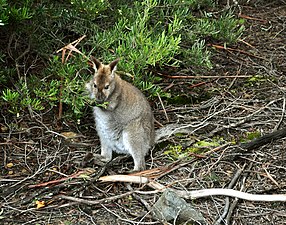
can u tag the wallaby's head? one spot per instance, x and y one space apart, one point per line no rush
103 82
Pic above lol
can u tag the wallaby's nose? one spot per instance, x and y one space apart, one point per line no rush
100 101
100 98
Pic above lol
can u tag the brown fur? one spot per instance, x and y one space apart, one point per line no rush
126 125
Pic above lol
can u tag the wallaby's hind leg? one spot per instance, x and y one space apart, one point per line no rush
135 145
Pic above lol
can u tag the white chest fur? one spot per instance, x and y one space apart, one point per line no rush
110 132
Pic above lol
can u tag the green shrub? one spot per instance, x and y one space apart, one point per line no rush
145 34
14 13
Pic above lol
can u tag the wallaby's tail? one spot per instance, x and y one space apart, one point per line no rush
165 132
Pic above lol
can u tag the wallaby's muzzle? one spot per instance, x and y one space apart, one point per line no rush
100 98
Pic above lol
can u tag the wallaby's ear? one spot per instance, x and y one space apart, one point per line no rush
96 63
113 64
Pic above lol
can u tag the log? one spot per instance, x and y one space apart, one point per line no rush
265 139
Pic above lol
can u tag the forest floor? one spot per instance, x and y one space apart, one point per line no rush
217 113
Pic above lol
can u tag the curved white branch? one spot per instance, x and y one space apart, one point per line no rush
231 193
194 194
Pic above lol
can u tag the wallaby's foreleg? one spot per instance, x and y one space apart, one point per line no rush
104 156
106 153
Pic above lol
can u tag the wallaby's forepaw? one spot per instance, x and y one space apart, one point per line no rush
100 160
93 159
87 160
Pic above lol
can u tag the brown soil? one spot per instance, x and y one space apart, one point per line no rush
228 110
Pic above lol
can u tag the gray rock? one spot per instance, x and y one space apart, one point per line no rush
171 207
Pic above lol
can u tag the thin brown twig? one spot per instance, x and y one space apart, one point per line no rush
197 85
235 50
71 47
236 200
251 18
202 77
227 200
244 42
271 177
94 202
53 182
166 115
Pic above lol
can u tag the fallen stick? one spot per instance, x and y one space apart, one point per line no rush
200 193
202 77
265 139
71 47
94 202
232 193
235 50
84 173
125 178
251 18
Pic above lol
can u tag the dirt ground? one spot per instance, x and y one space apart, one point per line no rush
248 99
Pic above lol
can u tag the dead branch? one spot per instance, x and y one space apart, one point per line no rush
236 200
75 175
251 18
204 192
94 202
202 77
265 139
125 178
232 193
71 47
235 50
227 200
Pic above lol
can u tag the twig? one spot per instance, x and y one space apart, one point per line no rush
163 107
282 115
243 41
94 202
232 193
227 201
71 47
235 50
205 193
126 220
197 85
137 197
265 139
52 182
125 178
251 18
236 200
271 178
202 77
71 44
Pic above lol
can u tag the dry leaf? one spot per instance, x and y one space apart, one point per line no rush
40 204
69 134
9 165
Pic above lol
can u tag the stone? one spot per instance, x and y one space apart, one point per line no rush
170 207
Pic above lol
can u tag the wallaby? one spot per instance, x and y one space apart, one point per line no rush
124 122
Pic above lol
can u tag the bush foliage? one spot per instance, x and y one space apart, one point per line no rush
145 34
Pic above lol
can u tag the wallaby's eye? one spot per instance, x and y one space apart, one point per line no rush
94 85
106 86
